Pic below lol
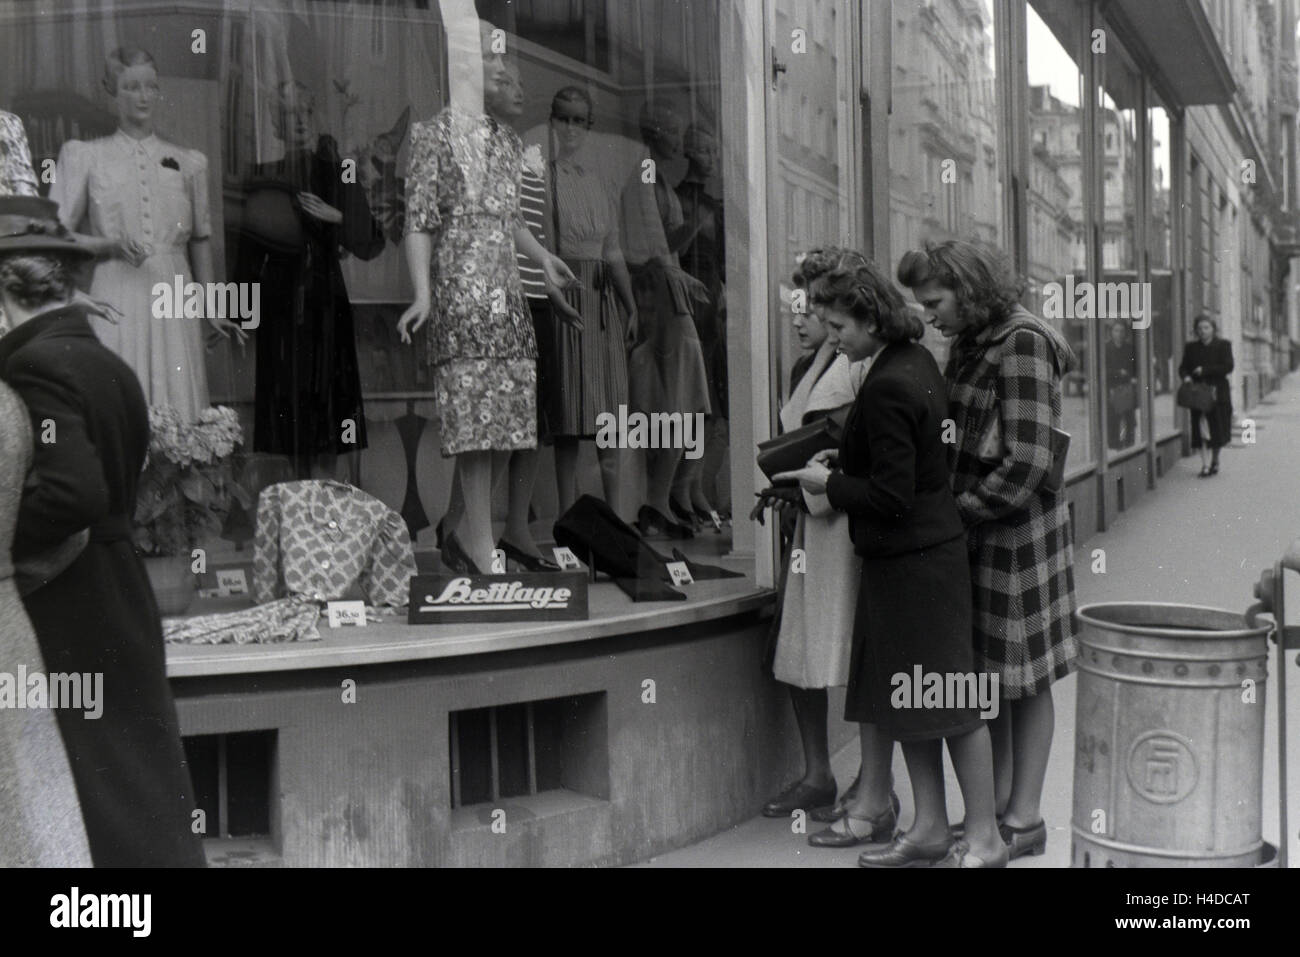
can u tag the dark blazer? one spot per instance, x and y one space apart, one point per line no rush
91 428
893 472
1215 361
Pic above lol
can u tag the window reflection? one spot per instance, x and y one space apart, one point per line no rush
943 155
1056 216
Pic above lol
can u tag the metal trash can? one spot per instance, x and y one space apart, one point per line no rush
1169 737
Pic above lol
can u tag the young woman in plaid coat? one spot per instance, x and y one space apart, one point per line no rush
1004 373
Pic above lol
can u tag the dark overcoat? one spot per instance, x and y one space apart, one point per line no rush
91 428
1018 532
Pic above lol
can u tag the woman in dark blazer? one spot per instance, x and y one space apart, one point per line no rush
99 615
890 475
1208 359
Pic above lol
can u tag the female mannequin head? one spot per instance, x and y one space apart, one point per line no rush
131 79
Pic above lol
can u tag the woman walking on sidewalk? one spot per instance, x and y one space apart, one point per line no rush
1005 372
1208 359
890 475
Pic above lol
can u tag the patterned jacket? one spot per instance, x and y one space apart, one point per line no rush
319 540
1008 376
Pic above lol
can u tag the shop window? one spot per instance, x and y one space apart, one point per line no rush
233 777
525 749
324 98
940 186
1056 233
1164 335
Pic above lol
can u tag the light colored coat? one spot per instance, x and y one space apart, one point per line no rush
816 632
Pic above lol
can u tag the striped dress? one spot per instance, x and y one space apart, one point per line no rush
591 363
532 203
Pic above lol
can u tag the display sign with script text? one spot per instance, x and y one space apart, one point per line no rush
527 596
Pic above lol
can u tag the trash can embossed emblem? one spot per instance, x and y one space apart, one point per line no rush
1162 767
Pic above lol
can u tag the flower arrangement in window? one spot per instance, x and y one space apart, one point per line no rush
187 484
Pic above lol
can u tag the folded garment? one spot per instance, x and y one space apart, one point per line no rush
287 619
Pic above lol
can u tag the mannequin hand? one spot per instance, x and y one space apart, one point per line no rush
225 328
132 251
633 329
317 208
417 313
104 310
558 273
563 311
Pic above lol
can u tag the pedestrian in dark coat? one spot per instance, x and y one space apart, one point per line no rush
913 619
1208 359
1004 372
99 616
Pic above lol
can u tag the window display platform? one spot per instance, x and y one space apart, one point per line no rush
603 742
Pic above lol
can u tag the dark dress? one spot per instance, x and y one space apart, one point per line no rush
914 603
308 380
100 614
1121 395
1215 362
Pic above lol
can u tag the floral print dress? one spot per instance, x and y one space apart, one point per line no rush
463 186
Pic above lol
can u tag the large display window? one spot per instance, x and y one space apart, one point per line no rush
308 151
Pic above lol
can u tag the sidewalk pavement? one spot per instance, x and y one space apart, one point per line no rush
1195 541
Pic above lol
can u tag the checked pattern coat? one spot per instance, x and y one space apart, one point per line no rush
320 540
1008 376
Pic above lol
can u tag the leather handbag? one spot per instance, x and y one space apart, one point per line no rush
1197 396
792 450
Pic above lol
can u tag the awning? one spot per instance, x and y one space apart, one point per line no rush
1173 39
1176 38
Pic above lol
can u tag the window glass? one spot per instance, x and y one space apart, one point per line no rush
1117 308
943 151
312 139
1056 217
1163 335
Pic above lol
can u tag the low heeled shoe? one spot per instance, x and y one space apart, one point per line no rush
798 796
902 852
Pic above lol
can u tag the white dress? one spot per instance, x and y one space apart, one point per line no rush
157 193
816 634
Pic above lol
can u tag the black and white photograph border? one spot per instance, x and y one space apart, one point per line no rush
521 433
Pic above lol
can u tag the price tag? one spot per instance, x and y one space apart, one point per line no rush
498 562
231 581
346 613
565 558
680 574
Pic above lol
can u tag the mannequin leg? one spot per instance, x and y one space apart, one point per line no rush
474 470
521 475
566 472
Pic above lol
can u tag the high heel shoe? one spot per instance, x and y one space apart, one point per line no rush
456 558
531 563
650 521
685 516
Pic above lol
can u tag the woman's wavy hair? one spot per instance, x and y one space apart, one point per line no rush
37 279
986 285
820 260
855 286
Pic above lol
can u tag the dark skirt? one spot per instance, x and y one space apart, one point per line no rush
1219 420
914 610
591 364
128 764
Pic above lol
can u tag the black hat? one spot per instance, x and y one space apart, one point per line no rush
31 224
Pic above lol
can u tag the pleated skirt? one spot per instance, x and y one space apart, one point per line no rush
590 364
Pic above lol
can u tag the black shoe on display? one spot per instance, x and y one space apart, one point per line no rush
456 558
530 563
651 521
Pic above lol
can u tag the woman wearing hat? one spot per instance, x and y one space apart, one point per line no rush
143 203
98 617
